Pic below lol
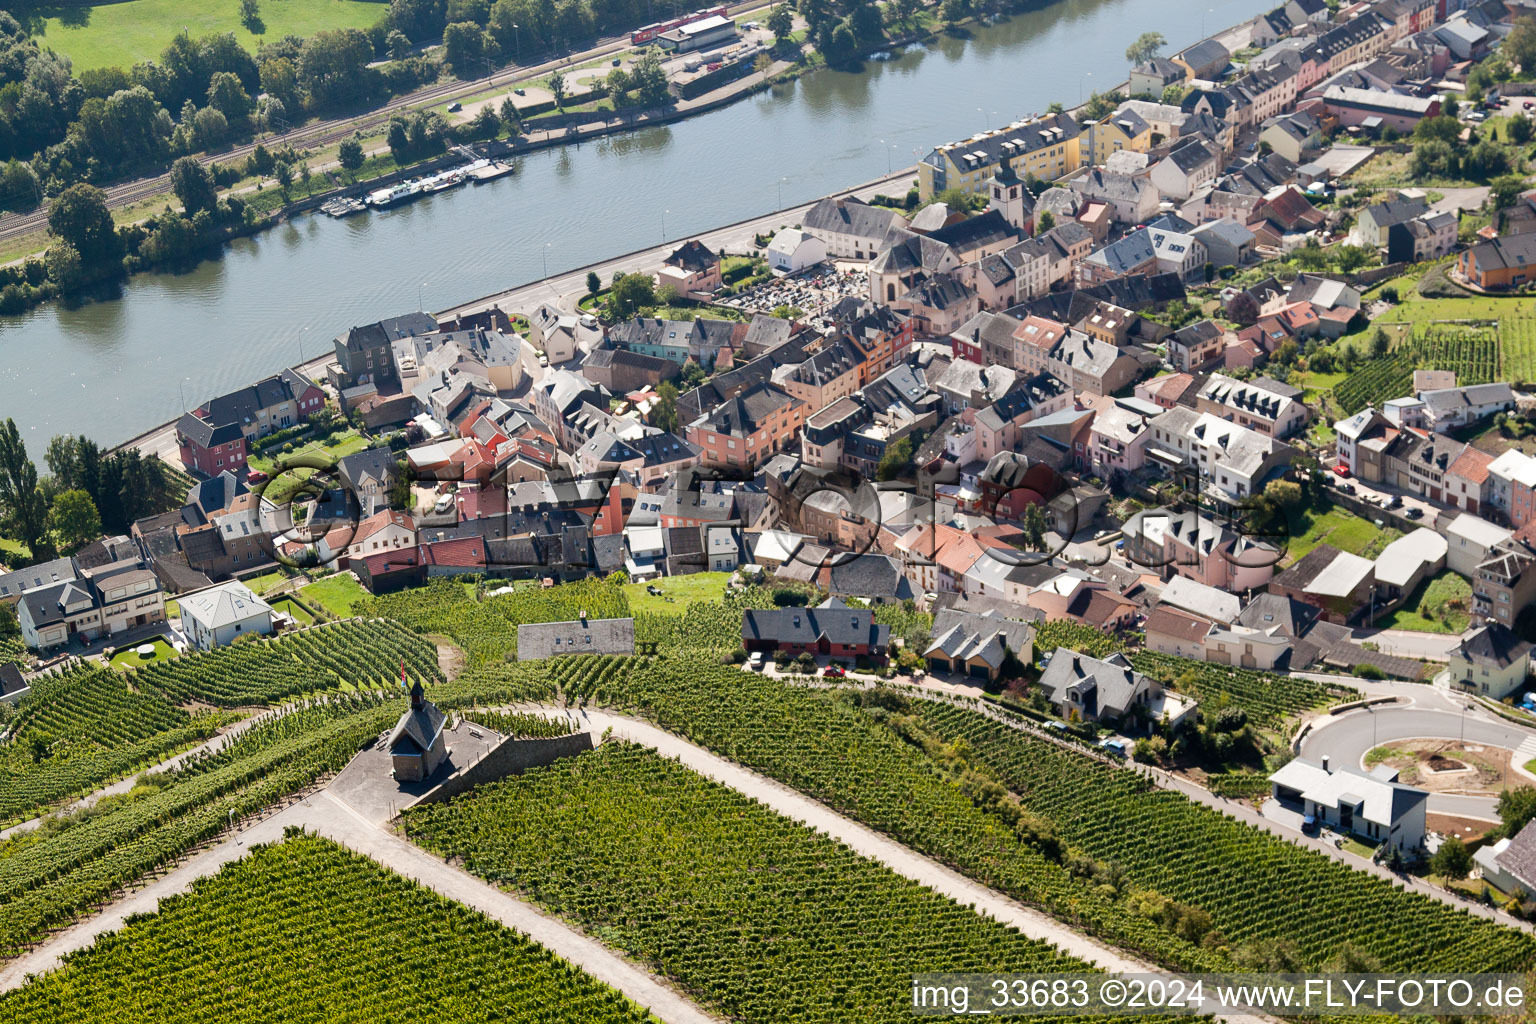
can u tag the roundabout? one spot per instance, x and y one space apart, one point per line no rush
1434 715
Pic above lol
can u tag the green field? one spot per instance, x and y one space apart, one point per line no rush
305 930
1427 608
677 592
285 484
335 595
1344 530
123 34
129 657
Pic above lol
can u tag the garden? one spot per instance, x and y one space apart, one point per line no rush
336 596
132 656
1441 604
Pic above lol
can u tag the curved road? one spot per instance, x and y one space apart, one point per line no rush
1436 715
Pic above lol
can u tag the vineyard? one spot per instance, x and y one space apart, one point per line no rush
1268 699
363 654
1258 889
486 628
1075 636
50 876
718 892
1473 352
79 729
873 764
1517 336
521 726
306 931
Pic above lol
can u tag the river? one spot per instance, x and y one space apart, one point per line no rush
111 369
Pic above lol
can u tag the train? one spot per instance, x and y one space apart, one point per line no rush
649 33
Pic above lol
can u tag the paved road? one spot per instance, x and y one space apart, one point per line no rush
1407 643
1348 737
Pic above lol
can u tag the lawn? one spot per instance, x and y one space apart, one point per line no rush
1344 530
15 547
129 657
1428 608
285 484
335 595
123 34
266 581
677 592
288 605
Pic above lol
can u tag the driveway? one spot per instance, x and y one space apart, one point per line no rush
1460 199
1407 643
1348 737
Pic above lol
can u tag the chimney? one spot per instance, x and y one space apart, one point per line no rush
1325 764
417 697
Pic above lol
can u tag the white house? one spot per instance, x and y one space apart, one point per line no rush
1471 540
1374 806
1491 661
217 616
792 250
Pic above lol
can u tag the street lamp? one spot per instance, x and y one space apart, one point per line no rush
887 147
1080 78
420 306
781 192
546 258
301 343
664 224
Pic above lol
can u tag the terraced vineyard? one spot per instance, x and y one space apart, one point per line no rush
364 654
1268 699
48 877
1470 350
306 931
522 726
79 729
754 915
1054 633
1517 339
1258 889
487 628
867 756
1373 382
1478 353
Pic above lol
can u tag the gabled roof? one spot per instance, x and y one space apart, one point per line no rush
1494 646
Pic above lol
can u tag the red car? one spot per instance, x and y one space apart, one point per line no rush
1342 470
834 672
255 476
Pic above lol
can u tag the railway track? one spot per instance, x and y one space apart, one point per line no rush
323 133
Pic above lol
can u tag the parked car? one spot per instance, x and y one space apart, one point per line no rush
1395 501
755 661
455 107
1341 470
1414 512
588 321
834 672
256 476
1348 488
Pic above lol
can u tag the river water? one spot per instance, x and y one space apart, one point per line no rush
113 368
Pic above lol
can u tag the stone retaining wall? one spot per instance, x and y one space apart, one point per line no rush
510 757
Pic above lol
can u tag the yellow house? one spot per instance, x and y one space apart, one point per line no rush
1047 148
1123 129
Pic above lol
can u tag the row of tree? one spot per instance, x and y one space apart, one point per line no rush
88 492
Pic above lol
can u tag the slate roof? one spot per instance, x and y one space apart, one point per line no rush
1493 645
968 636
869 576
1113 680
849 216
43 574
223 605
984 229
419 726
832 620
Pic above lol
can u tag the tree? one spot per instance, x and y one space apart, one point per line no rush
649 80
1146 46
781 23
1285 493
1173 94
22 509
1516 809
954 11
333 67
510 116
228 96
1485 160
594 283
463 47
398 44
1437 129
62 262
1452 861
284 171
1518 130
1044 222
664 411
617 84
350 155
193 185
250 16
897 461
1034 526
631 292
865 23
73 521
1380 343
81 217
19 189
1520 45
557 89
1505 190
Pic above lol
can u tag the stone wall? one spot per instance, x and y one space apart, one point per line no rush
510 757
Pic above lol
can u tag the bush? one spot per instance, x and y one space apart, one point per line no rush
1369 672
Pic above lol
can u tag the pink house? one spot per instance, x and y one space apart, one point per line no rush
1118 440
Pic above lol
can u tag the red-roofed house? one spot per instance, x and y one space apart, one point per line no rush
390 570
1164 391
385 530
1033 340
1466 481
454 557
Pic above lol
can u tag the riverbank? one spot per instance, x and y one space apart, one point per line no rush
113 369
564 288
